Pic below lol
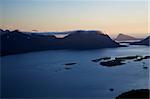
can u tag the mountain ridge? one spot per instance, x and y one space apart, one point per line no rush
15 42
145 41
123 37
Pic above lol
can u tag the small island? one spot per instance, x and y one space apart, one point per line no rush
120 60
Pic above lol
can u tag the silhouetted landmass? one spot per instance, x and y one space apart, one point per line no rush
70 64
107 61
141 58
127 57
88 40
135 94
123 37
15 42
111 89
145 41
99 59
145 67
110 63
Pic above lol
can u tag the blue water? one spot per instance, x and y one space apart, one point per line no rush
42 74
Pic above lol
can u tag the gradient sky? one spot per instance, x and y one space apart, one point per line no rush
109 16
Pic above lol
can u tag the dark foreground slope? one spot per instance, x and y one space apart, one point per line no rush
14 42
145 41
135 94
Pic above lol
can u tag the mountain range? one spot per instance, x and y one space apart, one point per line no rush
15 42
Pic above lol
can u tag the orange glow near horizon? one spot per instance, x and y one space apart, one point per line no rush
110 17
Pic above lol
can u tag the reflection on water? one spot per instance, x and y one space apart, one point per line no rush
43 74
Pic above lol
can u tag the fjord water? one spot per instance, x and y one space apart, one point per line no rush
43 74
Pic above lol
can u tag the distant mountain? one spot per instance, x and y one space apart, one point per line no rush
123 37
145 41
14 42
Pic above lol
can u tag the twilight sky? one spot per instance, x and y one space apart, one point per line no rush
112 17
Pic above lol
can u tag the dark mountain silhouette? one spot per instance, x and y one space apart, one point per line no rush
88 40
17 42
14 42
123 37
145 41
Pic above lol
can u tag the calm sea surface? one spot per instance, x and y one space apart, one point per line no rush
43 74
